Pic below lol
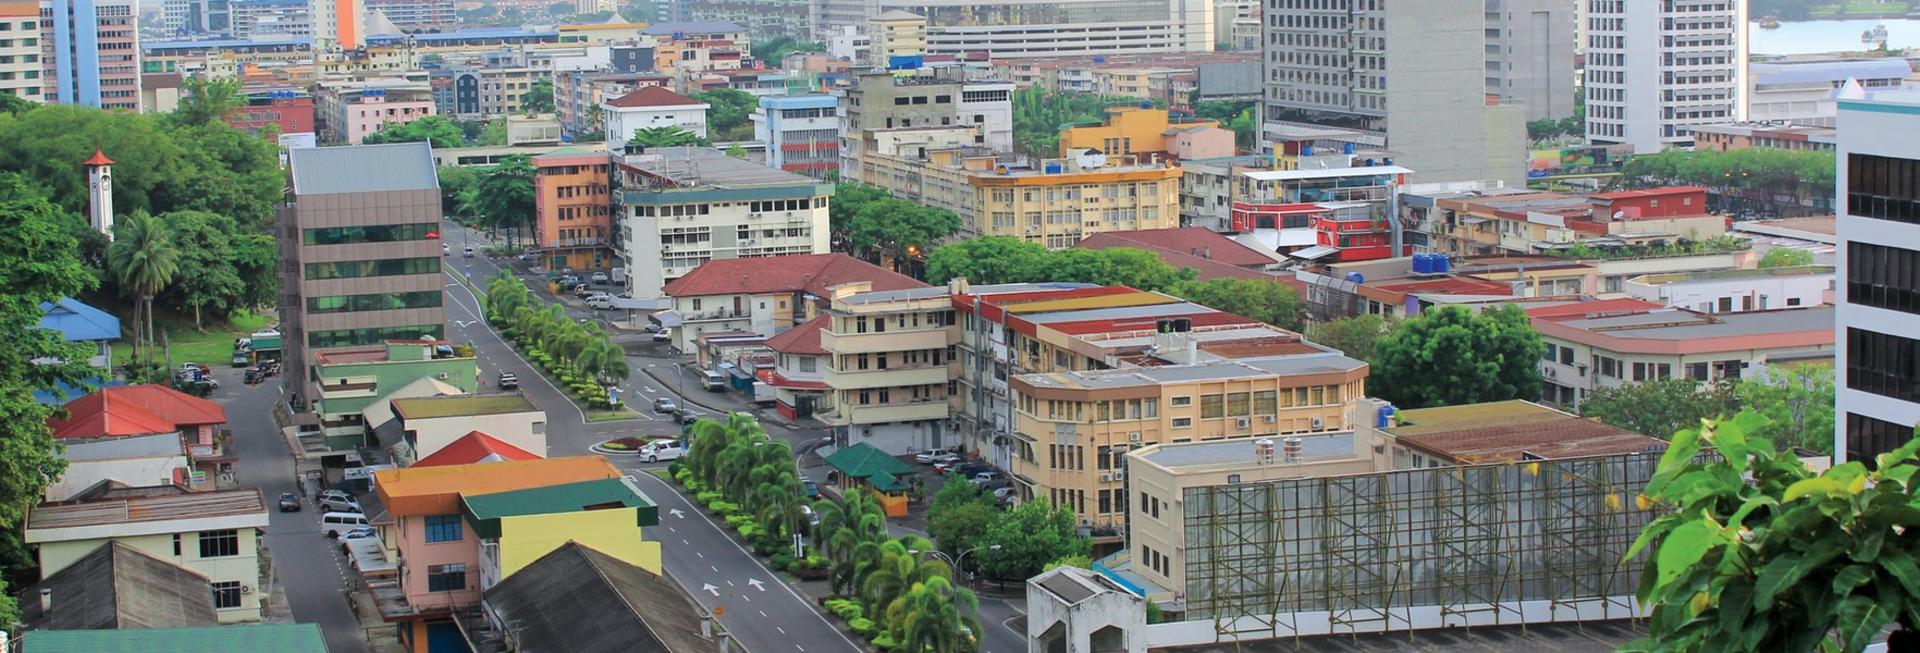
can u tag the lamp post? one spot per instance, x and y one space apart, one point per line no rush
955 562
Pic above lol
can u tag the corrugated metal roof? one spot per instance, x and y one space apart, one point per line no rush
234 638
579 600
77 321
363 169
437 490
117 586
1084 303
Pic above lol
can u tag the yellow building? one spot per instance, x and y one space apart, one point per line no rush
515 528
1127 130
216 534
1053 202
896 34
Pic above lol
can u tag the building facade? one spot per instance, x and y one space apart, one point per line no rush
286 19
880 100
802 133
215 534
1806 92
1587 352
1530 55
651 107
347 111
20 50
572 198
339 27
416 15
90 51
891 366
681 207
1654 70
1014 29
1879 244
1053 202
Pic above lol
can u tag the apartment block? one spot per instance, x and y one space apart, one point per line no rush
572 197
1524 222
1327 66
880 100
892 365
352 391
1053 202
577 95
1655 70
346 111
214 534
802 133
197 17
20 65
1590 347
651 107
288 111
698 46
1530 55
766 296
412 15
1879 250
90 53
1737 290
679 208
1020 30
1145 131
799 381
1743 135
358 262
289 19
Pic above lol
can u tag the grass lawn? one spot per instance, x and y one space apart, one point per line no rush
617 414
213 347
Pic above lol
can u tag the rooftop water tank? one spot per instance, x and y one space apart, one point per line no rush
1442 264
1146 104
1421 265
1054 168
1384 418
1356 277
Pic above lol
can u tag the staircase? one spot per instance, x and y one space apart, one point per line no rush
480 634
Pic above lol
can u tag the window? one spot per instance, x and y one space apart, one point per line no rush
387 233
443 528
1883 187
374 268
1868 437
1882 277
1212 406
368 336
374 302
1106 501
808 363
1177 402
447 578
1883 364
1182 422
1697 371
176 545
219 544
226 594
1237 404
1265 402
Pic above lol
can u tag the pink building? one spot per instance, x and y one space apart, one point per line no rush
347 111
371 113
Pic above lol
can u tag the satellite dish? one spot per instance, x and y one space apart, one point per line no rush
1619 215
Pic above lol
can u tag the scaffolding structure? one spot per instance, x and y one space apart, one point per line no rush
1437 547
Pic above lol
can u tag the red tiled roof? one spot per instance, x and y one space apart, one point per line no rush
1583 309
475 447
651 96
803 339
1649 192
134 410
1198 242
811 273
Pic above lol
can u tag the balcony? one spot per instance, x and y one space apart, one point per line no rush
716 314
888 378
890 341
930 409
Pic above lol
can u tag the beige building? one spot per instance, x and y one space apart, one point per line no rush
216 534
891 367
20 49
1053 202
428 424
896 34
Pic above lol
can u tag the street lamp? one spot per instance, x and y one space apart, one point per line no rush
955 562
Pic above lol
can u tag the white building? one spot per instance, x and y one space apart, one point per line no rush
681 207
1805 92
801 132
1530 55
648 107
1876 333
1013 29
1736 290
429 424
848 43
1655 69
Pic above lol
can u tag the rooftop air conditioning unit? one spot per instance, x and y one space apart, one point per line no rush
1245 422
1120 475
1133 437
1317 422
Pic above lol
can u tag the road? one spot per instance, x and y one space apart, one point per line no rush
763 613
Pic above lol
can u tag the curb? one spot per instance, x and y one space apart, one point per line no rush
689 397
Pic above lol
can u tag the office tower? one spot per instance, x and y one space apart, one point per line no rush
20 49
90 51
1530 55
1013 30
1876 334
1656 69
338 26
186 17
416 15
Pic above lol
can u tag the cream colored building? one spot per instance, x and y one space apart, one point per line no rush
1053 202
20 65
428 424
214 533
891 367
896 34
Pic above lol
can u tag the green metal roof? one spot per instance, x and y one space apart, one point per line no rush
869 463
485 511
886 483
462 406
239 638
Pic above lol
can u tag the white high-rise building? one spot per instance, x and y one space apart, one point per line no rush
1654 70
1012 29
1530 55
1877 335
339 26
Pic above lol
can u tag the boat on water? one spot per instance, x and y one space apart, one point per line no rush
1769 22
1876 37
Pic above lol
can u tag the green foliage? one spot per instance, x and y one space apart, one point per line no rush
1754 552
1683 247
1004 259
1761 169
1785 257
1030 536
144 259
1260 299
438 130
773 51
651 137
1081 561
1355 336
1798 405
874 224
860 626
959 516
14 105
204 101
503 198
539 97
1660 406
1449 355
1038 116
989 260
729 114
1236 115
226 264
492 133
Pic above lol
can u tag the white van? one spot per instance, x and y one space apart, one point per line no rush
712 381
338 523
664 450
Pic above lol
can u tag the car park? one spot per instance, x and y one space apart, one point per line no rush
289 502
665 406
988 479
337 501
932 456
509 381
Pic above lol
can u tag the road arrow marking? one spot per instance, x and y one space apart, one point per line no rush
465 323
676 513
709 588
755 582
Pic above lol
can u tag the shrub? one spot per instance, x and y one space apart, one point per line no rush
765 547
780 560
860 626
735 522
748 530
884 642
723 508
615 446
707 497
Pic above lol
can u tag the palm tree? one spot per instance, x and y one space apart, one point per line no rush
939 617
144 260
899 568
205 101
652 137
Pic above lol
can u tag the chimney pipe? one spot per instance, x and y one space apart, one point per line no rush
46 600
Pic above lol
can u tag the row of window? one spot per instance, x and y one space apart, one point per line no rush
1883 277
375 268
384 233
1868 437
369 336
1883 364
1883 187
374 302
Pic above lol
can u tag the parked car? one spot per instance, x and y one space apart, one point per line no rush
581 290
813 518
568 280
241 359
660 450
932 456
988 479
335 524
361 533
597 278
600 300
712 381
655 328
251 376
810 489
509 381
446 250
665 406
289 502
337 501
1004 493
662 335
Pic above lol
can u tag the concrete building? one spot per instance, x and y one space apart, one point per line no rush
1655 70
20 74
1530 55
142 435
1275 210
429 424
799 384
1743 135
416 15
577 96
90 53
1146 132
346 111
1327 66
573 200
282 19
651 107
1879 245
215 534
1052 202
352 391
196 17
357 257
698 46
880 100
1013 30
766 296
895 34
1593 348
802 133
681 207
339 27
1808 92
890 366
1737 291
1072 610
763 20
1527 223
288 111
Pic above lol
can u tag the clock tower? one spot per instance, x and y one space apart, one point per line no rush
100 193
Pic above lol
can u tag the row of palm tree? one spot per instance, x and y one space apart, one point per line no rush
585 348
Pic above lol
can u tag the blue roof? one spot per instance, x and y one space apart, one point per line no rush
222 44
62 393
79 321
1828 71
695 27
799 101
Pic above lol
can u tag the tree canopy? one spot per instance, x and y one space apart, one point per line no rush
539 97
1039 114
1355 336
651 137
775 50
1785 257
438 130
729 113
1450 355
503 197
204 101
1260 299
1030 535
1763 169
1660 406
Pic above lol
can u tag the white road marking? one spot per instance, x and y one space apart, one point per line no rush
763 614
783 631
703 556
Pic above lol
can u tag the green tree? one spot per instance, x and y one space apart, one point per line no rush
1031 535
938 617
1449 355
638 11
989 260
204 101
1758 169
1754 552
958 515
898 228
729 113
144 259
1355 336
206 251
1261 299
504 196
651 137
848 199
1798 405
1660 406
539 97
492 134
1038 116
774 51
225 171
1785 257
1543 129
457 186
1116 266
14 105
437 130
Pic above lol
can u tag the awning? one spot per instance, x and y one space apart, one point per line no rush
1315 252
667 318
1472 220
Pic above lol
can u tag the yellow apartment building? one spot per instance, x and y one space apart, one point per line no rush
1053 202
1126 130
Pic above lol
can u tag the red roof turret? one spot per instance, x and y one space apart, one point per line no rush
99 159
